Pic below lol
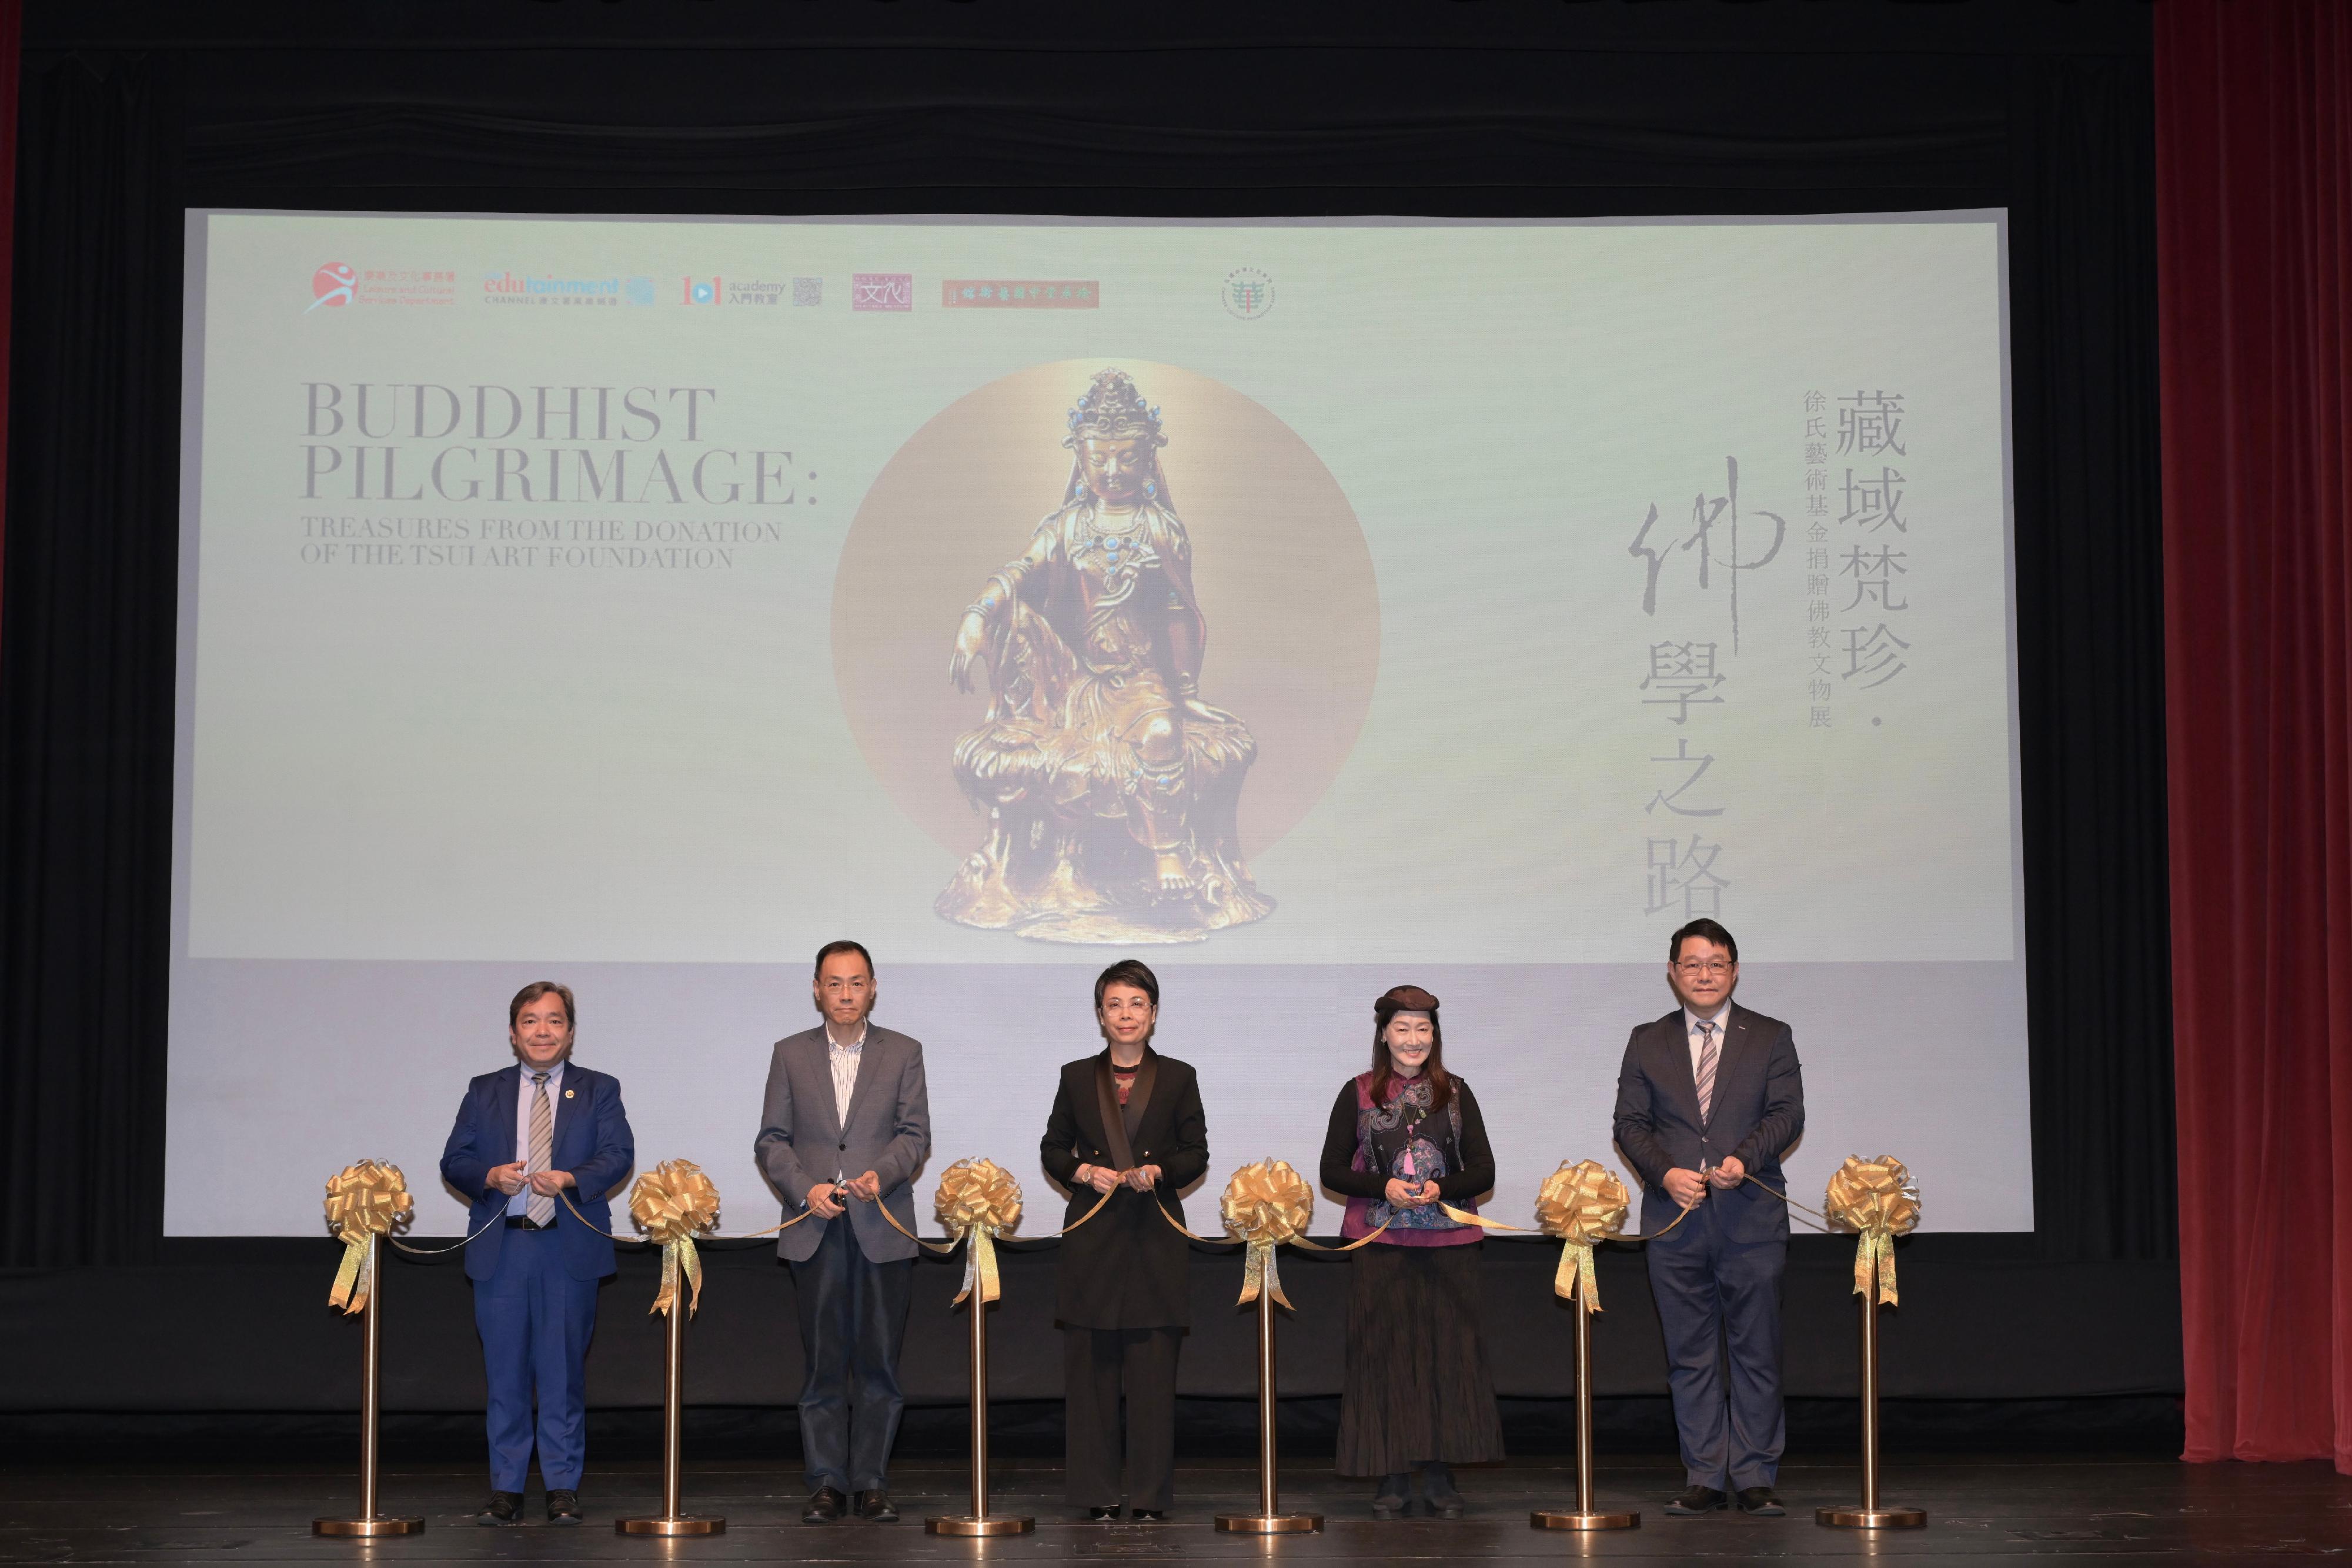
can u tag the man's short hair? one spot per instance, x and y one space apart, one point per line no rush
1710 930
845 945
537 989
1128 972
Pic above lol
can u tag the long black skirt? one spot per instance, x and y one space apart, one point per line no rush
1418 1386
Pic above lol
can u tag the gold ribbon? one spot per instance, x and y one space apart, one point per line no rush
671 1204
364 1201
978 1201
1583 1204
1264 1206
1878 1199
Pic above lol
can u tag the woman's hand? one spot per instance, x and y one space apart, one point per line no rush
1097 1178
1404 1195
1143 1179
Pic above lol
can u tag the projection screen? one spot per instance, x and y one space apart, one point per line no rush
577 598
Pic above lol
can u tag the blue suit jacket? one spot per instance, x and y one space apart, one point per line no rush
592 1141
1758 1111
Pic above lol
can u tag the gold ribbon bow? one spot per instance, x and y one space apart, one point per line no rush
1264 1206
364 1201
978 1202
1583 1204
673 1203
1878 1199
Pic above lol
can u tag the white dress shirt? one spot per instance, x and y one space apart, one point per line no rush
519 1202
844 1060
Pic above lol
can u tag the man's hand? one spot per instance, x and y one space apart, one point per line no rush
547 1183
1686 1188
824 1199
1730 1174
507 1180
1143 1179
1098 1177
867 1186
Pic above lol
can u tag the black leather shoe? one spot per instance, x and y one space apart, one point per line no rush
1438 1491
1103 1515
825 1506
1695 1499
504 1508
563 1506
875 1507
1395 1492
1762 1502
1149 1515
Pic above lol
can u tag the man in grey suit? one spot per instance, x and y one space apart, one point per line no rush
849 1121
1708 1094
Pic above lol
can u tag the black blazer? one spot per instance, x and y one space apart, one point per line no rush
1757 1112
1126 1267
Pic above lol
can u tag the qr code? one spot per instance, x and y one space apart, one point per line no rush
808 290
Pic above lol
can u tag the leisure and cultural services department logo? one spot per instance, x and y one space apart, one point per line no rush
336 284
1248 293
333 284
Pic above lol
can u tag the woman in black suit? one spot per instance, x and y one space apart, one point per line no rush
1125 1122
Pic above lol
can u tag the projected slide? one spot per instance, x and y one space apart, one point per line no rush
1303 608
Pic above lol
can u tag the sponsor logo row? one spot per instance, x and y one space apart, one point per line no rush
1246 292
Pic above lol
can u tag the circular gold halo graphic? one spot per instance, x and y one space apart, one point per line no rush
1279 563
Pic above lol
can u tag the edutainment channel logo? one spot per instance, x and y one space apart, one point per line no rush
510 288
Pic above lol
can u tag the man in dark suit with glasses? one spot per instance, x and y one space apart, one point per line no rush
1709 1095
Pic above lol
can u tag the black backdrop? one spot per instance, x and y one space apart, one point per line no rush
133 111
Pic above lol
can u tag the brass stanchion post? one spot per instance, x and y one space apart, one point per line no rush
1269 1519
1871 1515
1583 1516
369 1522
670 1520
979 1521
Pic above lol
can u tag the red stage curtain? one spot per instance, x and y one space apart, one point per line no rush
2254 275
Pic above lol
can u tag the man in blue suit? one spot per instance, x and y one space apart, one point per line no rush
525 1134
1708 1094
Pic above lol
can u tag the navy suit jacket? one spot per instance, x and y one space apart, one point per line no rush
592 1141
1758 1111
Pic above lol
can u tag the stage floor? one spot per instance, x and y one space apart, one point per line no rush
1980 1510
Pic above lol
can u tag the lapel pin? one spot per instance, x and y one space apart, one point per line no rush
567 1093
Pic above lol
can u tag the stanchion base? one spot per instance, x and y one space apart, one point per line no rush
683 1524
1856 1517
1568 1519
381 1524
969 1524
1269 1523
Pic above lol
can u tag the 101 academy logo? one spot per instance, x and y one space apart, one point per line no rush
1248 293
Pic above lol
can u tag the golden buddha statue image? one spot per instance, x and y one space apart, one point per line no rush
1108 787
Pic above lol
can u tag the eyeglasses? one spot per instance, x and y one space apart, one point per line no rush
1692 969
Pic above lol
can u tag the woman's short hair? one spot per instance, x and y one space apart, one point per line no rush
1128 972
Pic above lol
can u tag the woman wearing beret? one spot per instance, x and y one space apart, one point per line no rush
1125 1122
1406 1137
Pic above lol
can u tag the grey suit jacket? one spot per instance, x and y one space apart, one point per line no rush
1757 1112
802 1140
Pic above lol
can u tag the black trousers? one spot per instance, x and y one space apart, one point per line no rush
1096 1366
853 1315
